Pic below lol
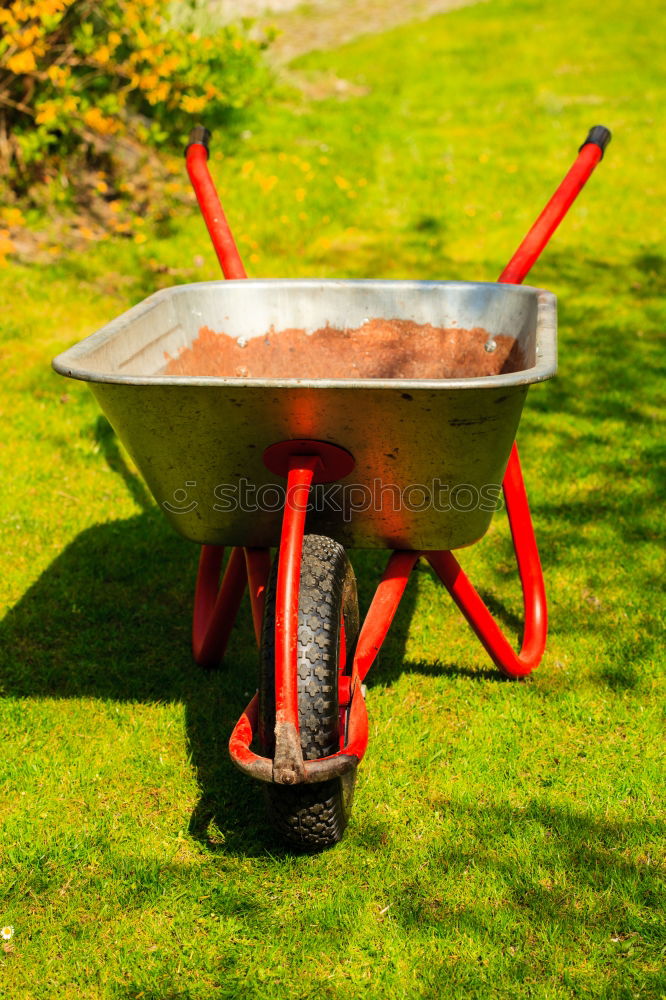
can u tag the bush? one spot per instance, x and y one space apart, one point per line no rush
88 87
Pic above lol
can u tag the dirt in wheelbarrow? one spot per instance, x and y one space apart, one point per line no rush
379 349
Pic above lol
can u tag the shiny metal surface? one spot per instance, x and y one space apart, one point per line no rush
420 445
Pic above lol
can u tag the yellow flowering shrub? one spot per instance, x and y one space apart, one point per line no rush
85 85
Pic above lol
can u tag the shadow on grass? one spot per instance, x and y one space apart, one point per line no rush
110 619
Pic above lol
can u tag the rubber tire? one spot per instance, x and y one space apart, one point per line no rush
312 817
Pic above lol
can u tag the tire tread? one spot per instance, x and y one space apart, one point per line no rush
311 817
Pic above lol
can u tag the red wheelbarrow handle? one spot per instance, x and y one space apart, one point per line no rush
445 564
216 603
196 160
536 240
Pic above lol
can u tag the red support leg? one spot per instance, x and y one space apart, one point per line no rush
216 605
382 609
531 247
258 565
466 597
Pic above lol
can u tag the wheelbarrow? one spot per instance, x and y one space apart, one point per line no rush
409 464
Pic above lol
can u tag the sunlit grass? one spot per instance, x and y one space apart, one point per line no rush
506 839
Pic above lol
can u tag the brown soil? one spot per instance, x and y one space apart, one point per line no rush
382 349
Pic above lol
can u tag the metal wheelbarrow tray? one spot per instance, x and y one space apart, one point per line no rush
445 445
199 441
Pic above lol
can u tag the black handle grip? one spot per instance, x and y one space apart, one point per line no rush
199 136
600 136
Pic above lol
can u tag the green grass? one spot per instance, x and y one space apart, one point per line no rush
507 838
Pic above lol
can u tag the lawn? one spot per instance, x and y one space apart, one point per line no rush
507 838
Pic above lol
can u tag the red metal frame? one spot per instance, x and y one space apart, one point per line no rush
258 566
475 611
536 240
216 605
299 480
382 609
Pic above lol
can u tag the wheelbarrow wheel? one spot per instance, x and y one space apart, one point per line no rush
312 816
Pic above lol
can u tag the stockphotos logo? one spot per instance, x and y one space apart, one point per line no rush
344 499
